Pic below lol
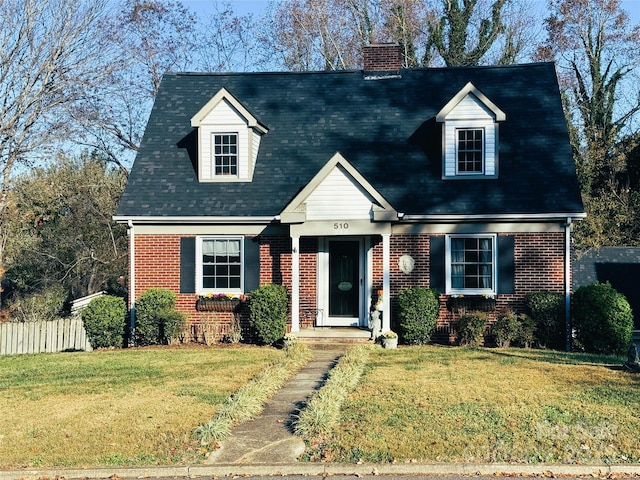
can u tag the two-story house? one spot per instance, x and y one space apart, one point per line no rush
342 184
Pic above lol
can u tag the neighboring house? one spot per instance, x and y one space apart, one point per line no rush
341 184
619 266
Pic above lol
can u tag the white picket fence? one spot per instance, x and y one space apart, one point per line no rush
39 337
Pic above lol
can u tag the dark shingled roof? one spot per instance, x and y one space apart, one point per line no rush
385 128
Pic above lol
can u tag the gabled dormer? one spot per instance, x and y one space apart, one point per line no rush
228 139
470 135
338 192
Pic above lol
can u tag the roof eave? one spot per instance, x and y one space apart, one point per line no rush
503 217
193 220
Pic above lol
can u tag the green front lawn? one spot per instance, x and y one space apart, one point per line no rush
443 404
116 407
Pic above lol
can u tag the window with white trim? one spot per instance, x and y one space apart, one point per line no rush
470 151
219 264
225 154
470 266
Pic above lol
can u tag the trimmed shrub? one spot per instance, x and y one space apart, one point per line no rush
268 306
157 321
548 311
418 314
526 334
104 321
506 328
602 319
471 327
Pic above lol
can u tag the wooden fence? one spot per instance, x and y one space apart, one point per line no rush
38 337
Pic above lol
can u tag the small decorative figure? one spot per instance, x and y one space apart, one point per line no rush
633 359
374 324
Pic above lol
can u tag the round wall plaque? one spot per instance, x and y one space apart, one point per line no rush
406 264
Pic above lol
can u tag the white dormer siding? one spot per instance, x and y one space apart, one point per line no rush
470 115
339 197
224 115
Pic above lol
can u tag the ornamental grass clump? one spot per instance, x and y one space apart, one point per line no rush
322 413
248 401
418 313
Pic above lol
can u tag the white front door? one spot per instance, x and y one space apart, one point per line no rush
341 282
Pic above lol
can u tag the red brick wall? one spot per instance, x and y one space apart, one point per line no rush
538 261
538 257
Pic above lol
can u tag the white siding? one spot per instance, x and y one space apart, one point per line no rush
470 113
338 197
223 119
470 108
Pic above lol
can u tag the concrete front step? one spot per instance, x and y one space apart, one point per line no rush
333 335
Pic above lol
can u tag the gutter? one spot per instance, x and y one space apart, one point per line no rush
192 220
459 218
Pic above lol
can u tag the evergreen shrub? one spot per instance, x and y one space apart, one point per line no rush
526 334
418 314
602 319
548 311
104 321
268 309
506 328
157 320
471 328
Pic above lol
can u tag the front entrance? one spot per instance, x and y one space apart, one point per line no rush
340 283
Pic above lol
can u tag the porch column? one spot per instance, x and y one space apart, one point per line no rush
295 284
386 283
132 283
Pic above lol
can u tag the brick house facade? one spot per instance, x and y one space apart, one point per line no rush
341 185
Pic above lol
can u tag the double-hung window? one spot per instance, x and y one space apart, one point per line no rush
470 151
219 266
471 264
225 154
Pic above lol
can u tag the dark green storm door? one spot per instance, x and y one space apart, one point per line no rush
344 278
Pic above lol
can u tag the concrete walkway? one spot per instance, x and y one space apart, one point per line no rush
268 439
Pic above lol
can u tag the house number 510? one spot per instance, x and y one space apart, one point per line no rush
340 226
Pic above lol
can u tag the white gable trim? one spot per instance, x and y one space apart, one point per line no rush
470 89
223 94
337 170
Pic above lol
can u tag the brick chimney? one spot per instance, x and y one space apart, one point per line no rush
382 57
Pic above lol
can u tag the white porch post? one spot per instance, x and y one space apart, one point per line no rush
295 284
132 282
386 283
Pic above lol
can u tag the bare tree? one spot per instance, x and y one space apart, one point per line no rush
147 38
49 53
475 32
596 49
330 34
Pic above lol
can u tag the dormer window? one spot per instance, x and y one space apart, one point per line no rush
228 139
470 151
470 135
225 154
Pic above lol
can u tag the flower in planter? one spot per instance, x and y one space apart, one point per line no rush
220 296
389 334
290 337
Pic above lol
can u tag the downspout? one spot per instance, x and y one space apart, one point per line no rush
567 282
132 284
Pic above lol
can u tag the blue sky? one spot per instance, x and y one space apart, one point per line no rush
257 6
